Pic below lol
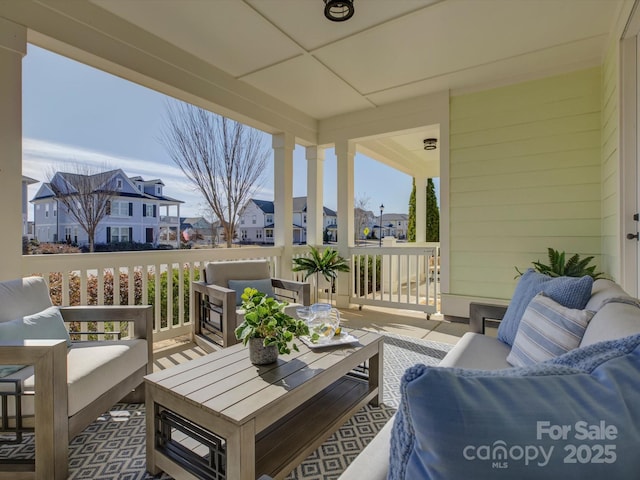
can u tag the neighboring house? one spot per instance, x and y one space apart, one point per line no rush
198 231
393 225
134 212
27 226
256 221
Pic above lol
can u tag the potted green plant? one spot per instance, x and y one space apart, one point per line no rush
558 267
328 263
266 328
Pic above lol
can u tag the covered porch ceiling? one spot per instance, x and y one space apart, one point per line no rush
279 65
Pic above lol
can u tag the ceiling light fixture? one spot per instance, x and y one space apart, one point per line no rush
338 10
430 143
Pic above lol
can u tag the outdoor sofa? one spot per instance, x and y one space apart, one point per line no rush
477 416
66 385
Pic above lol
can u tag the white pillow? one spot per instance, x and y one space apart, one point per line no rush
44 325
547 330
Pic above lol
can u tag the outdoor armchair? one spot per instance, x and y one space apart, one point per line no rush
56 387
217 297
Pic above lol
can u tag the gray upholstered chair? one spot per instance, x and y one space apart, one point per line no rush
57 385
217 297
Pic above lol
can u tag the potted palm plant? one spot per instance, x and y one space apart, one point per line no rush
266 328
559 267
328 264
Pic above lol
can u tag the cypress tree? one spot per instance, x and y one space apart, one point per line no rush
433 213
411 229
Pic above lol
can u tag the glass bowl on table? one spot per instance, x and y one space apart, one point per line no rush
324 321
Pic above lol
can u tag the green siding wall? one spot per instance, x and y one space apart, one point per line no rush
610 163
525 174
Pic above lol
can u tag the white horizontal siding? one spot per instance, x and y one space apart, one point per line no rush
525 174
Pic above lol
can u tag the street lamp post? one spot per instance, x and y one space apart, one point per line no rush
380 230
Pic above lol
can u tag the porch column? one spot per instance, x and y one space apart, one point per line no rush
283 145
179 234
13 46
421 209
345 152
315 201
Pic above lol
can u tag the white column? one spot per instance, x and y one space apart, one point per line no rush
179 235
13 46
421 210
345 152
283 145
315 201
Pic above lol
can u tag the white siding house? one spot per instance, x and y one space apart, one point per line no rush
133 211
256 221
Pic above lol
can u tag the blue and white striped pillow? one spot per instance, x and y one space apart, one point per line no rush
546 331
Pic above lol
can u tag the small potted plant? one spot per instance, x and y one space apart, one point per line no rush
328 263
266 328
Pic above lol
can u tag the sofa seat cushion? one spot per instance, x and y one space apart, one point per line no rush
373 461
475 350
93 368
570 292
523 422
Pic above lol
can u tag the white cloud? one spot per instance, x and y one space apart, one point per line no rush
39 157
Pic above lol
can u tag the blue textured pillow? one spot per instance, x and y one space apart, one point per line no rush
262 285
576 416
570 292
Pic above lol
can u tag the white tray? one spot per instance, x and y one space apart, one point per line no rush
342 339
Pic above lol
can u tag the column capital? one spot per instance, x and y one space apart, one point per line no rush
345 148
314 153
13 37
283 140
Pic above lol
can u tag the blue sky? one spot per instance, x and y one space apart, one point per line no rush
75 113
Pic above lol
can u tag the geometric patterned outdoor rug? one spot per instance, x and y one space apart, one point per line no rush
113 447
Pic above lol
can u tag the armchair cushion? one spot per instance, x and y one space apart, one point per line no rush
262 285
219 273
455 423
93 367
571 292
45 325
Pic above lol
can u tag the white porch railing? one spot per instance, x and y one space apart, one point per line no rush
105 279
403 276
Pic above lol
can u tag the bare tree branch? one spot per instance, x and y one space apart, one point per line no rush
86 194
223 159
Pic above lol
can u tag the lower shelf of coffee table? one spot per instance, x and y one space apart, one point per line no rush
285 444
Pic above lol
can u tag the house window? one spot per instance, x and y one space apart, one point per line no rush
67 234
119 209
149 210
119 234
119 184
253 219
46 210
304 218
269 218
140 186
158 190
244 234
259 234
242 221
268 233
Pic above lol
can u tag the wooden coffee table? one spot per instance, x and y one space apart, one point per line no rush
221 417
